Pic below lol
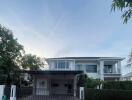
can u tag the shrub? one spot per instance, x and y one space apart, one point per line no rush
122 85
94 94
85 81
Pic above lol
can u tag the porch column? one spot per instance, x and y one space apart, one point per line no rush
119 67
102 70
75 85
113 68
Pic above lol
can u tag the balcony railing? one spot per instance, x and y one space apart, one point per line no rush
112 74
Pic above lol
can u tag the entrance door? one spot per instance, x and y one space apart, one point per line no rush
41 87
69 88
61 87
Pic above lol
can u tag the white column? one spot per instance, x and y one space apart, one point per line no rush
2 87
102 70
119 66
114 68
13 92
74 65
81 93
84 68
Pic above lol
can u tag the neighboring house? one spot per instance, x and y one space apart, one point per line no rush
61 78
127 77
128 67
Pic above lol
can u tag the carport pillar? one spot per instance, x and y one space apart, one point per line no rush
2 87
34 85
75 85
13 92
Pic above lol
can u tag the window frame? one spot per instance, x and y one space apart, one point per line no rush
94 70
62 64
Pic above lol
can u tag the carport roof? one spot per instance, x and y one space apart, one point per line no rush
53 72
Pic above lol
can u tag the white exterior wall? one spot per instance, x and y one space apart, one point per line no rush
100 62
51 65
93 75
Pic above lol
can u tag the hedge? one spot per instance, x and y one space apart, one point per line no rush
123 85
94 94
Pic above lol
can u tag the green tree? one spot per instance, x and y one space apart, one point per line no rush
32 62
85 81
82 79
93 83
10 54
125 6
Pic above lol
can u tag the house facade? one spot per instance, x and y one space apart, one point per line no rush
127 77
104 68
128 68
61 77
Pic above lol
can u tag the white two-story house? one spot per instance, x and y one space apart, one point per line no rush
104 68
61 77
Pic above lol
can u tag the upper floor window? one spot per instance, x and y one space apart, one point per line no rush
107 68
62 64
91 68
79 67
55 64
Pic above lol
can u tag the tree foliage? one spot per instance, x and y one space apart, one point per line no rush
12 57
10 53
31 62
85 81
125 6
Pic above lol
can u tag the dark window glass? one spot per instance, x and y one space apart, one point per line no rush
61 64
66 64
55 85
55 64
91 68
107 68
79 67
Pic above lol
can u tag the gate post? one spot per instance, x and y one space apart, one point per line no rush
81 93
13 92
2 87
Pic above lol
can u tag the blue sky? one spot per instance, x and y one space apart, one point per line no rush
53 28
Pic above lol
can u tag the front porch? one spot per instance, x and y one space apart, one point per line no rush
55 83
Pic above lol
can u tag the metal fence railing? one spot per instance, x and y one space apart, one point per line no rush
24 92
29 93
53 97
